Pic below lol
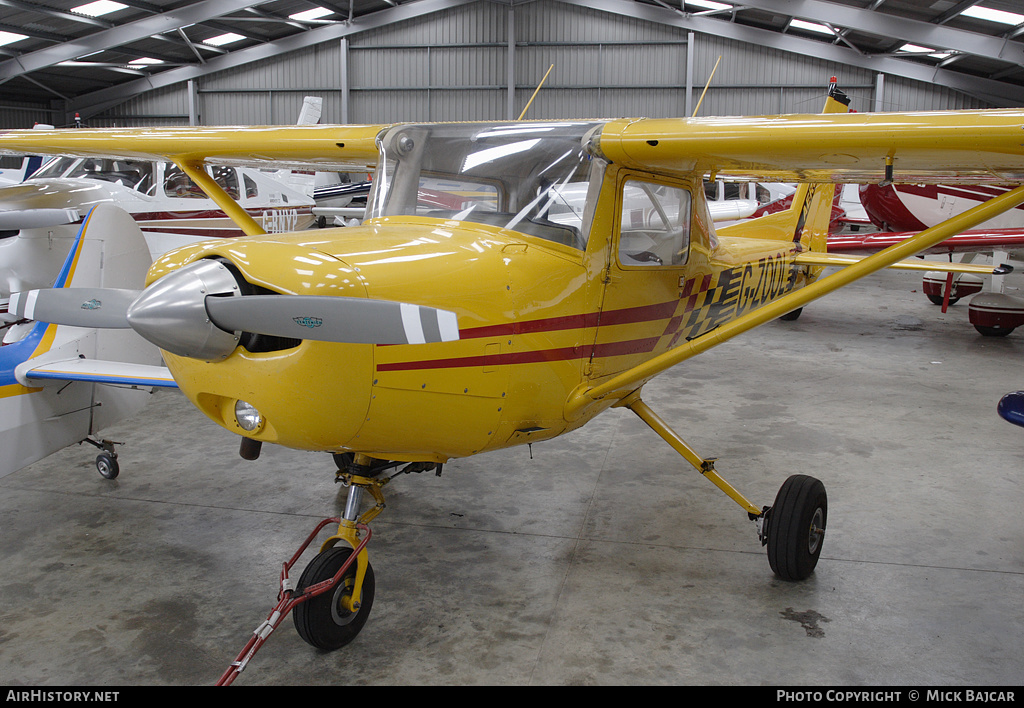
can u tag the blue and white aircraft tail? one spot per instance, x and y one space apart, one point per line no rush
60 385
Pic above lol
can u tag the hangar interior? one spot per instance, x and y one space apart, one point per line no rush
599 557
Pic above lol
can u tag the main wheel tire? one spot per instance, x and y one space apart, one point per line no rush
322 621
792 316
939 299
796 527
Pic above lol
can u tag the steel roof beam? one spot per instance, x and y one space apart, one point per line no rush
120 35
92 103
995 92
881 25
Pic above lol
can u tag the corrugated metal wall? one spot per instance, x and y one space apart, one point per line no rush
454 65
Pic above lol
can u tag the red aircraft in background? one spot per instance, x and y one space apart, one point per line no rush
899 209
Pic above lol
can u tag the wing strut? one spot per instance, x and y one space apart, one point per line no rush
213 190
631 379
705 466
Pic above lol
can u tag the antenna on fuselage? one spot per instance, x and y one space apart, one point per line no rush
535 92
706 86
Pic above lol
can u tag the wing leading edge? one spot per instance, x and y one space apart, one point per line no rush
941 146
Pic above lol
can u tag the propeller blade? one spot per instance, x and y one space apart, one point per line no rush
333 319
17 219
77 307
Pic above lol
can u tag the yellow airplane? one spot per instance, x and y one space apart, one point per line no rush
511 282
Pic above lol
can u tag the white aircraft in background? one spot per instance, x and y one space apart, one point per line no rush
770 197
49 374
100 223
170 208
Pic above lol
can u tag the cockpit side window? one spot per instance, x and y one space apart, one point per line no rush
654 225
227 178
54 168
251 190
133 174
180 185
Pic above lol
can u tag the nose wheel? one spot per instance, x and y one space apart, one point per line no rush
332 599
333 619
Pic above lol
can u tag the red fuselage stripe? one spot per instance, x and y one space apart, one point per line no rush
629 315
634 346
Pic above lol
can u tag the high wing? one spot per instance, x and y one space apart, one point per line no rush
942 146
313 147
294 147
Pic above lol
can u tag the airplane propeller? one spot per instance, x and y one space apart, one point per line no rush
102 308
199 311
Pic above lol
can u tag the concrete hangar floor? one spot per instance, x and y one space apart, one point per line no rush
603 559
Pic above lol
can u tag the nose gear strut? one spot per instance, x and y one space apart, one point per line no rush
341 595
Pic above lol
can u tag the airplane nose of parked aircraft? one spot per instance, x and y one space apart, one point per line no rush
256 360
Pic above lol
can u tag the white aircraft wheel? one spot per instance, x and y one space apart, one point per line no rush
796 527
322 621
107 465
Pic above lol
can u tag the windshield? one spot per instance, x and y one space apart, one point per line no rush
534 178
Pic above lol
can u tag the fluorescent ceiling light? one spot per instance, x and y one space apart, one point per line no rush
222 39
11 37
145 61
315 14
812 27
100 7
708 5
918 49
985 13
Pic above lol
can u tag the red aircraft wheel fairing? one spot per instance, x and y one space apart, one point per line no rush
934 286
995 314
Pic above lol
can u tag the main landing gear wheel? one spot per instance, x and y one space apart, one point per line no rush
323 621
939 299
792 316
993 331
796 527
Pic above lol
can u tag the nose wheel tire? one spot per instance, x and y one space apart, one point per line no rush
796 527
323 621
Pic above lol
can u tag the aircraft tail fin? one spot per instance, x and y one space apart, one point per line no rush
806 222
